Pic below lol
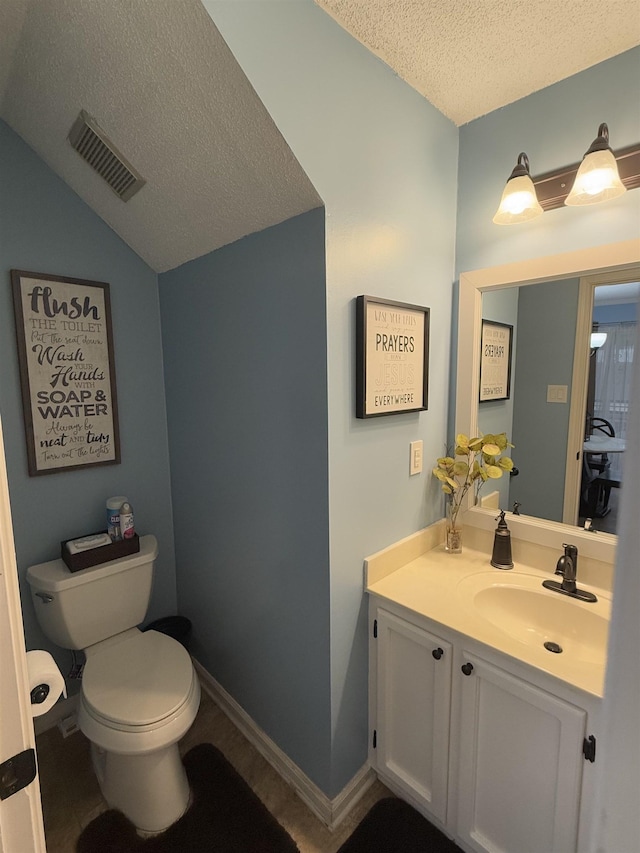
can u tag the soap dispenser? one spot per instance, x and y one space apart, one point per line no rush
501 557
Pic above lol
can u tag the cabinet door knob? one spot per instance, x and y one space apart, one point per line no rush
467 668
437 653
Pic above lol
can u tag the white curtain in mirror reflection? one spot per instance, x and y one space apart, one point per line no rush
614 368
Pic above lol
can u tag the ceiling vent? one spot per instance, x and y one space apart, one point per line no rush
93 145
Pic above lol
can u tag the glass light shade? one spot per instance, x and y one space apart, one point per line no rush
597 179
519 202
597 339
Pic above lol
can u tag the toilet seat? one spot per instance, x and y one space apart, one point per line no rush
139 682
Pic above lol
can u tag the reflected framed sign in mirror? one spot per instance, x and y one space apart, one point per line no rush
495 361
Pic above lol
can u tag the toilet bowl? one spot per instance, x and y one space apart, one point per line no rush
140 693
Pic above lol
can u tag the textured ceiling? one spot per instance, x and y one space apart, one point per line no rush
469 57
159 79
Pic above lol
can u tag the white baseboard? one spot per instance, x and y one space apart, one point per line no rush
330 812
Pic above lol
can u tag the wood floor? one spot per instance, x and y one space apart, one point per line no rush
71 797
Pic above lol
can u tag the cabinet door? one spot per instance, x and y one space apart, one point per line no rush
520 764
413 703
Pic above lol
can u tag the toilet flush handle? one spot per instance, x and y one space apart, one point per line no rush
46 598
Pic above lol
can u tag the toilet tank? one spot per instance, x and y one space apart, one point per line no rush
77 609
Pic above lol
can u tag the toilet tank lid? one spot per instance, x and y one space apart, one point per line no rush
54 576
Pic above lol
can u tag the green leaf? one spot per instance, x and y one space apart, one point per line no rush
491 449
494 472
501 440
474 459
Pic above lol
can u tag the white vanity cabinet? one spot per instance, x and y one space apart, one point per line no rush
519 766
413 701
492 759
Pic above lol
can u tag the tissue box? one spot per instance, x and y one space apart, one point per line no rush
103 554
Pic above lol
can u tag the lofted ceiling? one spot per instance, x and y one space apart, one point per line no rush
160 81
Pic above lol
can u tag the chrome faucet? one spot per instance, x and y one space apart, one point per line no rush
567 566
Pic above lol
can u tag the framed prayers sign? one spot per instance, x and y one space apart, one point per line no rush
392 357
495 361
65 352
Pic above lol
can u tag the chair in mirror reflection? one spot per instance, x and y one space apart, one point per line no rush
601 467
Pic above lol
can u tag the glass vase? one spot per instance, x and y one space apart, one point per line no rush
453 530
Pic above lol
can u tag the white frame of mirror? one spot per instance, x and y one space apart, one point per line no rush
598 261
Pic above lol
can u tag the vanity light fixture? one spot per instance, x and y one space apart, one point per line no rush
602 174
553 188
519 202
597 178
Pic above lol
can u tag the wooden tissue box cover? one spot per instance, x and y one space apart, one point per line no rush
102 554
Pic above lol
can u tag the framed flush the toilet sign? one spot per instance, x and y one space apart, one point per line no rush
65 352
392 357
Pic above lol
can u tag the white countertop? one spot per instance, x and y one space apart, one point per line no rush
441 587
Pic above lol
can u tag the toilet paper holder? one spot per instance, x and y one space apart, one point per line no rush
39 694
46 683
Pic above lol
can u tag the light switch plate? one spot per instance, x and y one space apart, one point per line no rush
557 393
415 457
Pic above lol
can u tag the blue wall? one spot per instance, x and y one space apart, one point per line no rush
496 416
626 313
544 319
45 227
244 332
547 315
384 161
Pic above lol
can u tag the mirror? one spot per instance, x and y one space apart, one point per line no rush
617 262
542 390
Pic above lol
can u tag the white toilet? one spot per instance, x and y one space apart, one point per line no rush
140 693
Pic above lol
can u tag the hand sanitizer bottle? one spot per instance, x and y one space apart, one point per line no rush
126 521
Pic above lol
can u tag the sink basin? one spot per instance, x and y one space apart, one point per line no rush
519 606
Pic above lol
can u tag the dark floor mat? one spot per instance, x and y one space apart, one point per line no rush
225 816
393 826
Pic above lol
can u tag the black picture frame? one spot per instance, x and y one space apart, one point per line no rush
67 372
496 343
392 357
